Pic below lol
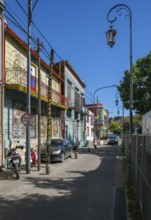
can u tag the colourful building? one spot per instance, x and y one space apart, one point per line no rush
15 80
73 117
100 122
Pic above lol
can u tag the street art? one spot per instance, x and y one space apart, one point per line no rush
43 126
18 130
55 128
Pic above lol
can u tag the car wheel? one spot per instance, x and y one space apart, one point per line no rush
62 157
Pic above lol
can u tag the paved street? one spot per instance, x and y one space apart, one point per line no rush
87 188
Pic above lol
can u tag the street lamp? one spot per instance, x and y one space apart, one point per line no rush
105 87
111 41
116 100
110 34
118 111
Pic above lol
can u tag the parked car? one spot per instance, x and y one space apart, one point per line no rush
60 149
113 139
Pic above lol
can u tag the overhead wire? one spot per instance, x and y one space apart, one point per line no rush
38 29
43 49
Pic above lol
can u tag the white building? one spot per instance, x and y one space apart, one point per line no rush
89 126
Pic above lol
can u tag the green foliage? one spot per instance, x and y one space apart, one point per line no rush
115 128
141 86
116 118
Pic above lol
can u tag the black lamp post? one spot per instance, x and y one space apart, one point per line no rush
116 101
111 41
118 111
104 87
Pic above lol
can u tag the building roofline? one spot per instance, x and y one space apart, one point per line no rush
33 53
70 67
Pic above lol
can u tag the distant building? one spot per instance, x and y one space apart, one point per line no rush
100 123
89 126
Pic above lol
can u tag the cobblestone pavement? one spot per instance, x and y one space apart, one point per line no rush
90 187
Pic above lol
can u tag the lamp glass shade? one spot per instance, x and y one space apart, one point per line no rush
84 110
110 35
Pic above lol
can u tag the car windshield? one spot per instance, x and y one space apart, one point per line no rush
113 136
56 143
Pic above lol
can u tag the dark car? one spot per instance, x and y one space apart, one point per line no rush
59 148
113 139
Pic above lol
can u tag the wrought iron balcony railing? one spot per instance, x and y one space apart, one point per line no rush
16 78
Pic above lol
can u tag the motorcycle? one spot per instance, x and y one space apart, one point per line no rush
33 157
14 161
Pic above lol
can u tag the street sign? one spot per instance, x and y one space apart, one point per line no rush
27 119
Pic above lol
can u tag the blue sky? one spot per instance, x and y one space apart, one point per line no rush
76 30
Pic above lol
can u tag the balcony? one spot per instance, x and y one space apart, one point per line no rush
16 78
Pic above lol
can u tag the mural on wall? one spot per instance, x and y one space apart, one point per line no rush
18 129
55 127
55 86
43 126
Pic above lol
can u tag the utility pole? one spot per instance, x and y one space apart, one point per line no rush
28 107
39 103
49 115
28 104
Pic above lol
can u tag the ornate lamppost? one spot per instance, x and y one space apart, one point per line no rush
111 41
104 87
118 111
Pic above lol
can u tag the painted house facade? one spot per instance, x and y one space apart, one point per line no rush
74 118
16 93
100 123
67 99
89 126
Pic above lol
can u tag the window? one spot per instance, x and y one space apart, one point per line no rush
87 118
69 90
33 77
87 131
69 113
91 120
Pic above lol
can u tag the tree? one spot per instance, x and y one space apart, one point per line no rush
141 86
117 118
115 128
